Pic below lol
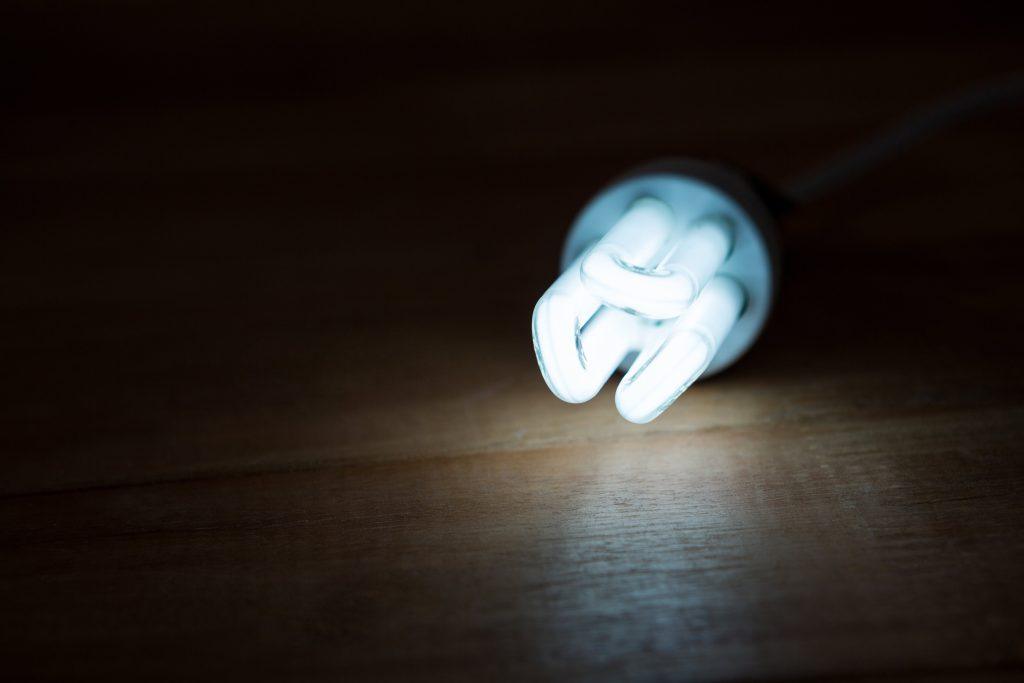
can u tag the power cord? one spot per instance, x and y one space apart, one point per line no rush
911 129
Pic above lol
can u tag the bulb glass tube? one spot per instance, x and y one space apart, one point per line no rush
677 353
659 276
579 342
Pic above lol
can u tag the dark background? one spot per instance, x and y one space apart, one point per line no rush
268 400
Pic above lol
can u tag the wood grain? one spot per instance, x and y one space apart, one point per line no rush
270 408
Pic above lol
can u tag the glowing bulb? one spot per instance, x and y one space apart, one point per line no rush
667 268
589 320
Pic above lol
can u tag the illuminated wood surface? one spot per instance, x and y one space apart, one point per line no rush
270 406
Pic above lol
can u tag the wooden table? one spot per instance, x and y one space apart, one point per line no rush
270 407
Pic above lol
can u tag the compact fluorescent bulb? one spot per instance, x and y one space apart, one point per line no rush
669 274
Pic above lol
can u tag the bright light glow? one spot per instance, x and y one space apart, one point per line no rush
644 266
647 286
679 352
579 342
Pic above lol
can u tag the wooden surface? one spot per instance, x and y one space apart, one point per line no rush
270 407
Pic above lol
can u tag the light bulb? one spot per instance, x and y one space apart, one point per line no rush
670 273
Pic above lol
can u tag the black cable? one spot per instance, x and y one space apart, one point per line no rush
911 129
